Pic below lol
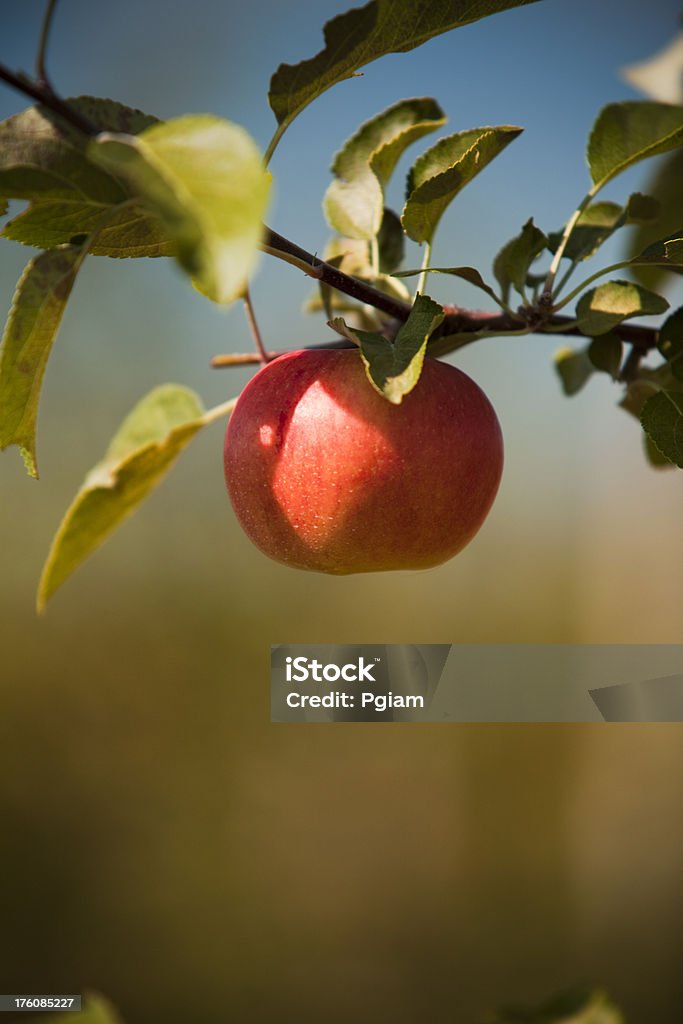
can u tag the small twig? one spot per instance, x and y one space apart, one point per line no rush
254 327
631 367
41 71
48 99
248 358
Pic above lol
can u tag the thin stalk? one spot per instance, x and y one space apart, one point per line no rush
254 327
219 411
566 235
41 71
374 254
272 145
422 279
589 280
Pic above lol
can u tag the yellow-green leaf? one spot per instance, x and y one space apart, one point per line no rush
144 448
601 309
37 309
205 179
354 201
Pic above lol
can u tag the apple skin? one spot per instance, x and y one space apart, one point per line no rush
325 474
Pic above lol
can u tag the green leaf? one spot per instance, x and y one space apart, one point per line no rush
574 368
667 252
654 456
394 368
354 201
41 156
662 420
597 222
36 313
130 230
96 1010
625 133
670 342
364 34
642 209
602 308
390 242
204 178
512 263
144 448
579 1007
665 186
605 353
469 274
439 175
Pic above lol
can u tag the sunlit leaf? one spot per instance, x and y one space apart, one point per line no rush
354 201
602 308
41 156
394 368
442 172
625 133
130 231
37 309
364 34
204 178
142 451
512 263
662 420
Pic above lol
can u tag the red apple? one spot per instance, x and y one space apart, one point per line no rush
325 474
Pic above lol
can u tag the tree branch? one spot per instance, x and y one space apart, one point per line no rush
457 320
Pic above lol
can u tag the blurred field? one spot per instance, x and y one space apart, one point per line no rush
160 840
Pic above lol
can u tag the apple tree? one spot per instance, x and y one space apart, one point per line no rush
101 179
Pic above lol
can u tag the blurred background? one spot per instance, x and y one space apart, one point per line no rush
160 840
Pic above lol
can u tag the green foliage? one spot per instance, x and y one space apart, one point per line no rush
42 157
574 368
354 202
512 263
600 220
579 1007
390 242
469 274
625 133
96 1010
605 353
204 178
662 420
364 34
670 342
142 451
34 319
665 186
130 230
439 175
394 368
602 308
667 252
